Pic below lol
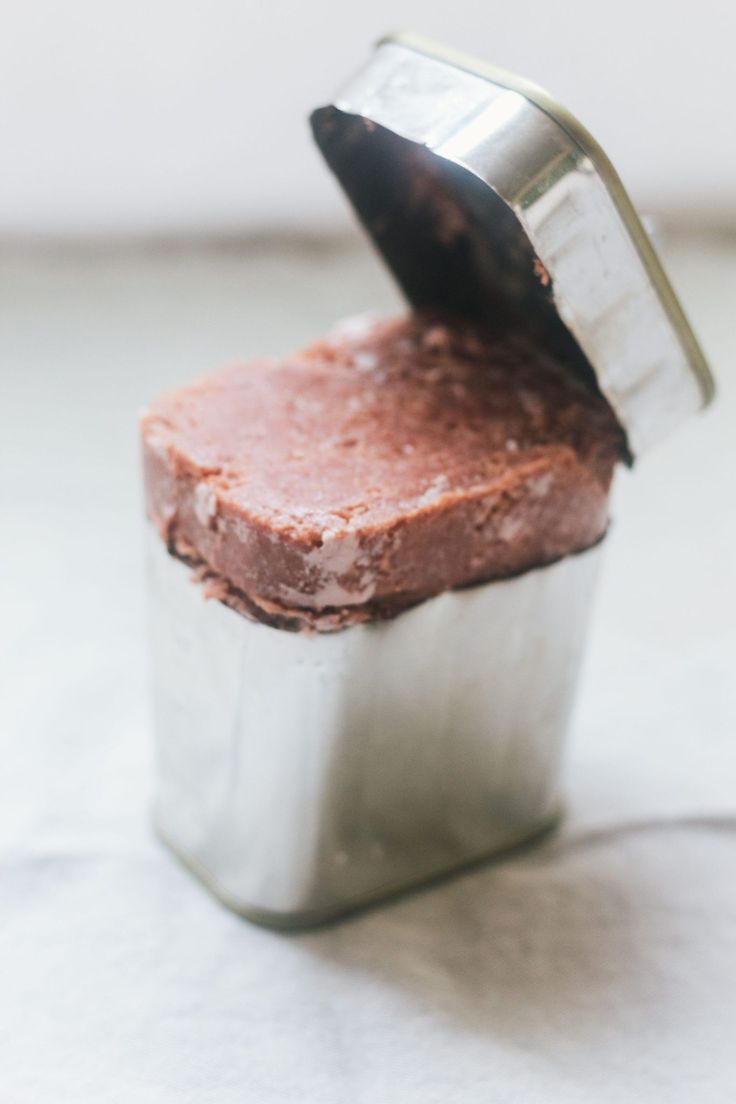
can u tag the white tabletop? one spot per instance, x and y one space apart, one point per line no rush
600 966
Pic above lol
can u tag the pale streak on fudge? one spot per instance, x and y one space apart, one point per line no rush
385 464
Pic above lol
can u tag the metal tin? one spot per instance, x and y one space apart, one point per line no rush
301 776
485 195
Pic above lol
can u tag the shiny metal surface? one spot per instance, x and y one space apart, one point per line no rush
300 776
486 196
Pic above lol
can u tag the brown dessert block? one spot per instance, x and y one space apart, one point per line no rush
378 467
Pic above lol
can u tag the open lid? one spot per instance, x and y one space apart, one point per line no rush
487 198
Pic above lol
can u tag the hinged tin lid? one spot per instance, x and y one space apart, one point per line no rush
487 197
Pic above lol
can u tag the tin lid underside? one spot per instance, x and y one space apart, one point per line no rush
483 203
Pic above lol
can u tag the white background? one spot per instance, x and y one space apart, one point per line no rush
597 969
166 116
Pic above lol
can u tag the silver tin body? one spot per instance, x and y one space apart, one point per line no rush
301 776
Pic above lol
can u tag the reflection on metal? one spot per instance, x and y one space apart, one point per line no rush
303 775
487 197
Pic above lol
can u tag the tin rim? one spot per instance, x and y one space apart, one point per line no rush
603 166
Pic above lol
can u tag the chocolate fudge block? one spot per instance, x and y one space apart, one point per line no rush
387 463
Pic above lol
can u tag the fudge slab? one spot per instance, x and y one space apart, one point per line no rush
393 460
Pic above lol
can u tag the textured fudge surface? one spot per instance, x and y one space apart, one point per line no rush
391 461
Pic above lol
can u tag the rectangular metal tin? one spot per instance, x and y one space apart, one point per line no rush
301 776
